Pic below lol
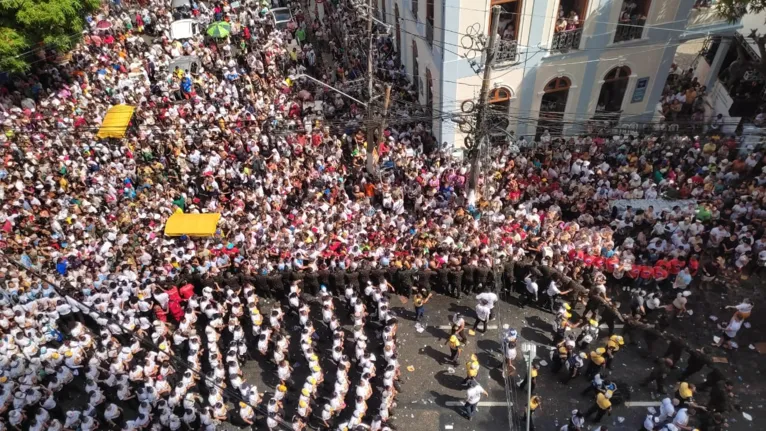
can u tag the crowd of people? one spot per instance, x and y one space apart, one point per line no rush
156 329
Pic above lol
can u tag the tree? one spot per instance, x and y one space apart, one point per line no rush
28 26
733 11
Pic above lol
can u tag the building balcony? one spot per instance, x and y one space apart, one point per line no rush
629 31
705 15
507 51
565 41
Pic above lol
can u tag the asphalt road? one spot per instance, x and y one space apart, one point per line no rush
432 396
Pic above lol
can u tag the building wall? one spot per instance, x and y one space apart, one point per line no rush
650 57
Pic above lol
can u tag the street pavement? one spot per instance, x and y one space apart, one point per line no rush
432 395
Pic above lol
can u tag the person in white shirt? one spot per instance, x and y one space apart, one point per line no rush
473 396
482 315
531 291
491 299
553 293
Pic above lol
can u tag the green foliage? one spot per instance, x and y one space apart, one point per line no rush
734 9
28 25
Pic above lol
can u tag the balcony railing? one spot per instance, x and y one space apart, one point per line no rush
430 33
564 41
507 50
629 31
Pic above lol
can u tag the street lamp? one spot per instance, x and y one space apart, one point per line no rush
529 350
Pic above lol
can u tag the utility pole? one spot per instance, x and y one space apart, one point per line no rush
481 137
371 144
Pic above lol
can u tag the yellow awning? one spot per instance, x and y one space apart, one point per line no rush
116 122
192 224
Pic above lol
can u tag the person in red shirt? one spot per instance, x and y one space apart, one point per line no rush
663 263
676 265
660 274
612 263
635 271
694 265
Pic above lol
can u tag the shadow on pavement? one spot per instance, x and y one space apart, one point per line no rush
449 381
437 355
536 335
442 399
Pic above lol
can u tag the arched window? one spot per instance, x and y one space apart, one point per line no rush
619 72
558 84
553 105
500 104
612 93
499 95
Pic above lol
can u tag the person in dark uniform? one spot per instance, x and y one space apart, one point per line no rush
424 277
443 277
481 276
311 282
406 282
376 275
651 336
323 275
497 279
508 275
337 278
276 285
675 350
469 278
352 278
608 317
658 375
720 397
262 286
456 281
364 274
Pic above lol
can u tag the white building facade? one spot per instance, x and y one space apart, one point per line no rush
604 59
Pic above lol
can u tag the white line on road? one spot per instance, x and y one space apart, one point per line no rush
481 403
617 326
642 403
450 327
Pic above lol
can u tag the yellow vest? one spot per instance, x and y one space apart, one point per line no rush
685 391
603 402
454 343
596 358
473 368
418 301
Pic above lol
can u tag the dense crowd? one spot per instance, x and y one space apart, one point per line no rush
282 159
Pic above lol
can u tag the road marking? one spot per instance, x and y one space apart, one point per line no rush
642 404
481 403
617 326
450 327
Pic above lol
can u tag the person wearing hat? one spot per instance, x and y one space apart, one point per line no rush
510 351
601 407
455 348
531 378
589 333
574 364
560 356
597 362
472 369
612 346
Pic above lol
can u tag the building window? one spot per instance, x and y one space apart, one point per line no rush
430 22
612 92
415 68
500 105
632 20
552 106
568 31
507 49
415 9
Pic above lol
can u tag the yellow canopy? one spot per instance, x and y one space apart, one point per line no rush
192 224
116 122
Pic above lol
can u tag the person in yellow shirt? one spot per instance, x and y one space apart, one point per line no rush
454 347
535 403
532 377
471 370
612 346
597 362
602 406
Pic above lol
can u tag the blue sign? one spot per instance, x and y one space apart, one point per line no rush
640 90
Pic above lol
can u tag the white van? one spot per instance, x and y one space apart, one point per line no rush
184 29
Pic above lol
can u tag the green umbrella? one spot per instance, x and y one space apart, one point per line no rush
219 29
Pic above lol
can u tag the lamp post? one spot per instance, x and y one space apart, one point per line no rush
529 350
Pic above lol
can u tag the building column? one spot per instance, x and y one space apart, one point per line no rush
715 65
